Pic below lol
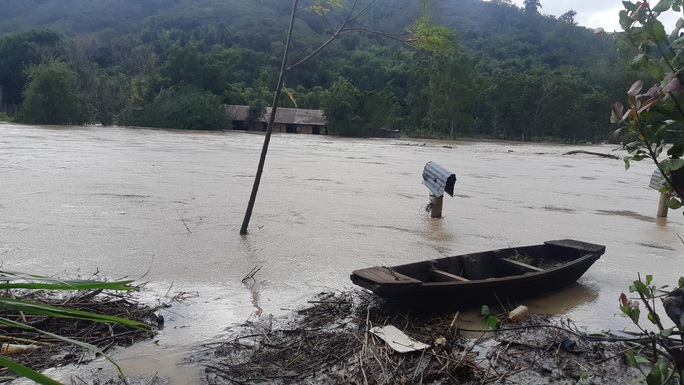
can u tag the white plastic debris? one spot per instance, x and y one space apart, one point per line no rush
397 340
518 313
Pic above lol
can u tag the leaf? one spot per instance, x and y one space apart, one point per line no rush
14 280
36 308
636 86
433 38
634 315
659 373
623 299
625 20
654 318
678 25
62 338
636 360
27 372
649 278
676 151
493 322
663 5
655 69
618 109
640 288
674 203
666 332
671 164
485 310
659 31
680 283
322 7
630 6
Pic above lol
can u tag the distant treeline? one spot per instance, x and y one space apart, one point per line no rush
509 74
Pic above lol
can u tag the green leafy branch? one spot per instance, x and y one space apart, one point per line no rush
652 123
663 355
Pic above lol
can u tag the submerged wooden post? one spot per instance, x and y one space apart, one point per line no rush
662 205
436 206
657 182
439 181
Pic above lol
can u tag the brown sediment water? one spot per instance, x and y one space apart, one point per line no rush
166 206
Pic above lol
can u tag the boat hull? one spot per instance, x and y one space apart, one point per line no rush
491 277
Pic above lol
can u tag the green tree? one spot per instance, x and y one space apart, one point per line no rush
510 100
109 97
18 52
378 110
532 6
585 116
187 65
51 95
551 96
568 17
341 105
187 108
452 87
310 99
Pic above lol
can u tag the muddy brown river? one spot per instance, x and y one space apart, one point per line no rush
165 207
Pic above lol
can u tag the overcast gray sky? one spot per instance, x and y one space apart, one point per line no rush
595 13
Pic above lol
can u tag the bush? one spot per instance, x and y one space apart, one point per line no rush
51 95
185 108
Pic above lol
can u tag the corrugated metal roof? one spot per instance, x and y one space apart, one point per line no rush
298 116
438 179
238 113
283 115
657 181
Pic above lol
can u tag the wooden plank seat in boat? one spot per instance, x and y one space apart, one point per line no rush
385 276
447 276
525 266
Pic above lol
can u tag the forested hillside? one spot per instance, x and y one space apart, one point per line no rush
506 73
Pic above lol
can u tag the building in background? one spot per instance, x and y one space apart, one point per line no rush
287 120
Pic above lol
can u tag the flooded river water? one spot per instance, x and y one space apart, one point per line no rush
165 207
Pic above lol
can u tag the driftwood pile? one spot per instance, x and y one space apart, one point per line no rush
330 343
47 352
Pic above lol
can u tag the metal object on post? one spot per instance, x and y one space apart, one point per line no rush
657 180
438 180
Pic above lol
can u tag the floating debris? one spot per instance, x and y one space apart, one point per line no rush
336 341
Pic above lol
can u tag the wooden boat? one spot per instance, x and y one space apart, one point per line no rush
484 278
